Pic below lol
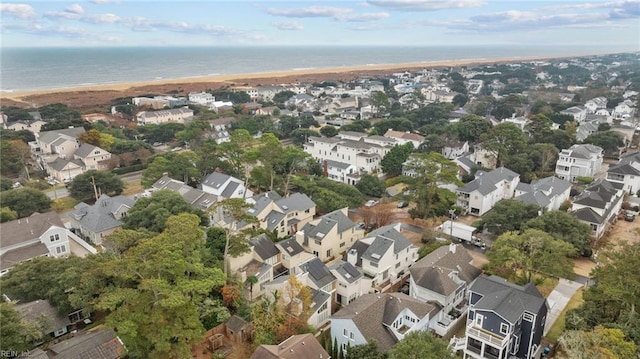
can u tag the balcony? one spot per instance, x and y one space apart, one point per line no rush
473 349
488 337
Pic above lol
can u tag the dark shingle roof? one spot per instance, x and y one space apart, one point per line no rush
100 216
506 299
31 312
347 271
434 271
302 346
318 272
28 228
100 344
486 182
290 246
264 247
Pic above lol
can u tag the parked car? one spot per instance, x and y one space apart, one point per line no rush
629 217
371 203
402 204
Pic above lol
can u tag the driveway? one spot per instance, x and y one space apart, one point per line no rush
558 300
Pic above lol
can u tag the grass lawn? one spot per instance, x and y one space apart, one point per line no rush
546 287
132 188
558 327
63 204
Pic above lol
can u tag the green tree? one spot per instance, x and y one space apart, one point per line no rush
421 345
16 335
238 152
610 141
509 215
504 140
470 127
237 229
534 252
162 281
281 97
432 170
564 227
380 102
153 212
599 343
539 128
15 159
366 351
328 195
7 214
5 184
328 131
25 201
371 185
614 299
392 162
105 182
301 135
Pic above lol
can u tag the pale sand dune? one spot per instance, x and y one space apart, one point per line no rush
17 96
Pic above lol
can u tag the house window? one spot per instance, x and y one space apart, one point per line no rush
527 316
329 253
479 319
345 333
54 237
61 249
504 328
342 244
323 308
352 336
374 264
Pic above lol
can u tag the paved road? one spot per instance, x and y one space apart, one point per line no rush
558 300
63 192
59 193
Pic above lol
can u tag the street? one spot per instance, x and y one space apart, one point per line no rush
64 192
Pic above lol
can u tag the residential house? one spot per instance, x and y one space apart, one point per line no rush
351 284
97 343
455 149
340 171
39 235
221 129
405 137
57 143
292 254
577 112
249 90
384 317
250 108
624 109
175 115
579 161
225 186
548 193
315 275
92 157
596 104
626 172
266 93
443 276
40 311
282 216
33 126
384 255
505 320
330 235
97 221
63 170
598 205
295 347
262 261
480 195
201 98
303 102
195 197
586 129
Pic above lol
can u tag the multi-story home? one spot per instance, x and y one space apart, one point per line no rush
624 109
201 98
282 216
330 235
225 186
385 317
292 254
221 129
296 347
579 161
196 198
598 205
33 313
262 261
92 157
95 222
455 149
33 126
249 90
63 170
405 137
548 193
505 320
176 115
384 255
577 112
480 195
626 172
39 235
59 143
341 171
351 284
596 104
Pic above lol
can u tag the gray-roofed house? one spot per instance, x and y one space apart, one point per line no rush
195 197
329 236
351 283
39 235
505 320
385 317
301 346
64 170
549 192
42 312
282 215
94 158
262 260
626 172
480 195
598 205
62 142
384 255
97 221
225 186
292 254
95 344
443 276
579 161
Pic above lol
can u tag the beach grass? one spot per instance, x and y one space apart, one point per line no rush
133 188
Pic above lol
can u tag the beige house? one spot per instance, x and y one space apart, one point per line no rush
282 215
176 115
329 236
62 143
93 157
292 254
63 170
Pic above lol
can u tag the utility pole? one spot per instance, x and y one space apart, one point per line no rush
95 190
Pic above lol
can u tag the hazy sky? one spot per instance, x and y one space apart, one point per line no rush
366 22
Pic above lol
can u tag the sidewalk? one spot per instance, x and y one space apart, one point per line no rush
558 300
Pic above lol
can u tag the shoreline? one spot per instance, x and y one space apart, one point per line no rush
357 70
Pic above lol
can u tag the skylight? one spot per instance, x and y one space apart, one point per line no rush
320 235
375 255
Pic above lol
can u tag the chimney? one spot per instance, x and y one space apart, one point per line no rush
352 256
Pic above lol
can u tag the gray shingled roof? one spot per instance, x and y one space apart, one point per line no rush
336 164
290 246
28 228
597 195
236 323
51 136
506 299
216 179
15 256
99 344
347 271
588 215
100 216
360 247
86 149
371 312
60 163
295 202
264 247
584 151
625 169
486 182
318 272
390 232
433 271
32 311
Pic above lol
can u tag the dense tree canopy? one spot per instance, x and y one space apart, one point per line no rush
25 201
504 140
508 215
564 227
82 186
392 163
599 343
328 195
366 351
153 212
532 253
371 185
17 335
470 127
432 170
421 345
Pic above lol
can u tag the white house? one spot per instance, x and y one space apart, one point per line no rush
626 172
93 157
385 317
480 195
351 284
598 206
282 216
455 149
201 98
579 161
225 186
175 115
595 104
97 221
405 137
577 112
549 192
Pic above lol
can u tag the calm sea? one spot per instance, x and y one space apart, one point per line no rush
50 68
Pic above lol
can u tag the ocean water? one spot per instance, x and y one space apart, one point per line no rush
51 68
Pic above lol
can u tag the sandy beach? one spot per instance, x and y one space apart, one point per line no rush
79 95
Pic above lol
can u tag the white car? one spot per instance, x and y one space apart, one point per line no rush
371 203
